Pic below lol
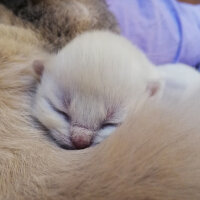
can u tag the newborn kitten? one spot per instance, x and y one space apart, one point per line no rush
87 88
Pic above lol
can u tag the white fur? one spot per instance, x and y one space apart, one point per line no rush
181 81
94 79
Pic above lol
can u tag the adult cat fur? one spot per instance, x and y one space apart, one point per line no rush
59 21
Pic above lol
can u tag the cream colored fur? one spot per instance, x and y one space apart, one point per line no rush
154 156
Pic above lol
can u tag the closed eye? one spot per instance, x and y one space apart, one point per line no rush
106 125
64 114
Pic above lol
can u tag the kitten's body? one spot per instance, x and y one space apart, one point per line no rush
59 21
87 89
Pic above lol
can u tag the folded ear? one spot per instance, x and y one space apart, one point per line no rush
38 67
154 87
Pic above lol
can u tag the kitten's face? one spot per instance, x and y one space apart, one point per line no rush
76 120
86 90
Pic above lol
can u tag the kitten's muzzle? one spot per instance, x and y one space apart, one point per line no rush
81 137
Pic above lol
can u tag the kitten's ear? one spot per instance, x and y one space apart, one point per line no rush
154 87
38 67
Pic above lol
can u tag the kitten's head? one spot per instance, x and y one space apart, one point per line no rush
86 90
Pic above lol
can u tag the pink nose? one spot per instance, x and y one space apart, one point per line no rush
81 141
81 137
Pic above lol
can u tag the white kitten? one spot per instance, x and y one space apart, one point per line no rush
87 89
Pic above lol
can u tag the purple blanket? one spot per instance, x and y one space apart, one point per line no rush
166 30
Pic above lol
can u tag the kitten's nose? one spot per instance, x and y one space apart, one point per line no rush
81 137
